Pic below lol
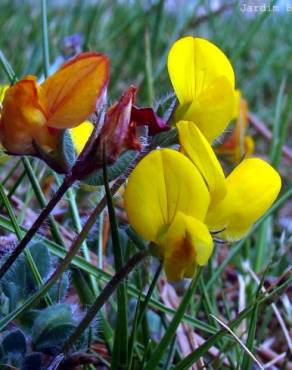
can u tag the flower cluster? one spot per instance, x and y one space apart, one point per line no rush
178 199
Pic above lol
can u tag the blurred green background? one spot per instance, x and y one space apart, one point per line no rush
258 43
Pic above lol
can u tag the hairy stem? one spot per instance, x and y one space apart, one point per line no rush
104 296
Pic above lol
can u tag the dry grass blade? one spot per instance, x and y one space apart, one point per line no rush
261 127
275 309
238 341
276 360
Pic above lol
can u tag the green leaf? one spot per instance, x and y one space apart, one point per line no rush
19 282
32 361
52 327
42 258
59 290
68 149
114 171
166 106
14 342
17 230
165 139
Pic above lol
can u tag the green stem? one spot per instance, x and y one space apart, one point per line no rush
149 294
141 308
100 240
78 226
120 352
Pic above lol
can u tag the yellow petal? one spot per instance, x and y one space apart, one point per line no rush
249 145
252 187
80 135
197 148
212 110
162 184
237 96
194 64
3 89
186 244
72 93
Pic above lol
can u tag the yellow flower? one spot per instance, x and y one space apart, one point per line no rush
203 80
250 189
166 200
238 144
37 113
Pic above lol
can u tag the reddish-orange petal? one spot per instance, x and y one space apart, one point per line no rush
76 89
119 132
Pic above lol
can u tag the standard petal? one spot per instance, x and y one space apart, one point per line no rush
252 187
74 91
186 244
23 119
80 135
194 64
162 184
212 110
197 148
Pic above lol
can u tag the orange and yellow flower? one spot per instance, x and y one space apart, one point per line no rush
37 114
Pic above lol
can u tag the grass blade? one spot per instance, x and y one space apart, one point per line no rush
171 330
120 351
45 38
